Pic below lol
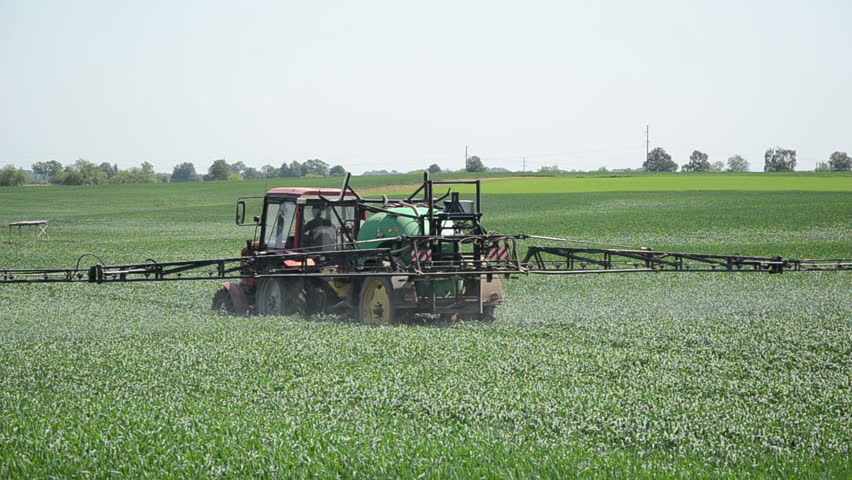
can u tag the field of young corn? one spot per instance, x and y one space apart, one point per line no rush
632 376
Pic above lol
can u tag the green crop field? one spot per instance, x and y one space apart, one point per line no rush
629 376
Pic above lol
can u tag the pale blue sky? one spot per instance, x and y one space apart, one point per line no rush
393 84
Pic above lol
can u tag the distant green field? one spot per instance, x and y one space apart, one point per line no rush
629 376
673 182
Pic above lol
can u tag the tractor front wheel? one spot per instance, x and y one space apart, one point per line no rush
375 305
222 301
488 314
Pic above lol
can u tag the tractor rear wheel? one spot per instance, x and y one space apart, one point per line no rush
375 305
280 296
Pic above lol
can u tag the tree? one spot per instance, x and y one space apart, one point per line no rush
379 172
779 160
549 169
269 171
337 171
295 169
434 168
659 161
47 170
737 164
822 167
142 174
716 166
40 168
698 162
12 177
219 170
53 169
108 169
251 173
840 162
474 164
185 172
238 167
82 172
316 167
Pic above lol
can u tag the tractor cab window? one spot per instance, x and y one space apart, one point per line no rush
323 228
279 224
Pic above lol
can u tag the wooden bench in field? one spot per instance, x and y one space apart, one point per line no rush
41 226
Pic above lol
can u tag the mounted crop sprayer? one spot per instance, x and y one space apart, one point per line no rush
320 250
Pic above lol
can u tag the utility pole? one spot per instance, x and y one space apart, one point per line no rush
465 157
647 143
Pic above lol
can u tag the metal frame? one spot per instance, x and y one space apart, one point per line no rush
351 263
566 259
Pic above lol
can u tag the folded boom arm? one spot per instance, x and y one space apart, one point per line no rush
555 260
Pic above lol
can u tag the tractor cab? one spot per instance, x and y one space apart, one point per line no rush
306 218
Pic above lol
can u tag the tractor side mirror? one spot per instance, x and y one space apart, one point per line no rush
240 217
241 213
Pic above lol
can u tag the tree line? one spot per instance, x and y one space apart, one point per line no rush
84 172
774 160
222 170
81 172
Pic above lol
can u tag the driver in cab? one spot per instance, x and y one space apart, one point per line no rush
315 226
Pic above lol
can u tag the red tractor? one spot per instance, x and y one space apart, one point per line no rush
321 250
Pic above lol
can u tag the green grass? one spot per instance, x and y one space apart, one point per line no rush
627 376
675 182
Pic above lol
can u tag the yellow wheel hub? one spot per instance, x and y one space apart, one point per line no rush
377 308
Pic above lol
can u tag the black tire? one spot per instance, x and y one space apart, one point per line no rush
268 298
296 298
222 302
489 314
280 296
317 297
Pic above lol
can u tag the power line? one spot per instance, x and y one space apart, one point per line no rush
466 158
543 155
647 142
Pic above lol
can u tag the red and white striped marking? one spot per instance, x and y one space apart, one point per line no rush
424 255
498 253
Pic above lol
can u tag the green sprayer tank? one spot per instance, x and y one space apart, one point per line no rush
383 226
